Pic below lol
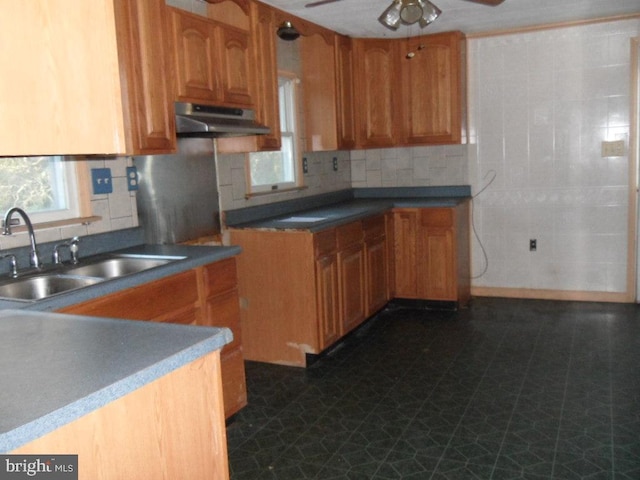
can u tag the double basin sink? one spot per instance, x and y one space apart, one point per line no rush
64 278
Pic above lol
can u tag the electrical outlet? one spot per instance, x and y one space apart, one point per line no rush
533 245
335 164
132 178
305 165
101 180
613 148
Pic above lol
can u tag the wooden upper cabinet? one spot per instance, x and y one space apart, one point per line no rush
319 92
92 79
260 17
345 108
57 95
433 88
237 67
147 85
197 61
212 61
266 65
378 92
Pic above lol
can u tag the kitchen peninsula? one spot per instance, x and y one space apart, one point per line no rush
314 269
132 399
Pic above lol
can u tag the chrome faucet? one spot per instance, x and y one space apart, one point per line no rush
73 250
34 258
13 273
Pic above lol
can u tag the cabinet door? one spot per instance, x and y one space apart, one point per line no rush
265 60
236 67
436 247
405 230
376 265
437 281
168 299
433 89
197 61
345 108
378 92
327 300
352 286
60 91
264 79
319 92
147 87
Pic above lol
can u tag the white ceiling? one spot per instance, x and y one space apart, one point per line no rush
359 18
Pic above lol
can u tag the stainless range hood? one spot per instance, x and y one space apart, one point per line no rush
199 120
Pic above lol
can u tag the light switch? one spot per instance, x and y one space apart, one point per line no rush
101 180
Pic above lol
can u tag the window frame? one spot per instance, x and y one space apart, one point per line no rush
77 193
293 113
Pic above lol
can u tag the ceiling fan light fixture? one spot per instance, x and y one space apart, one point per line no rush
390 18
429 13
409 12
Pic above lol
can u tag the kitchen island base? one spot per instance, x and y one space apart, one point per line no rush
170 428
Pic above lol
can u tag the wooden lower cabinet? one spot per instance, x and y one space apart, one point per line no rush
205 295
300 291
431 252
175 429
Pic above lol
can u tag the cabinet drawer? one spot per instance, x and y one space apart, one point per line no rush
373 226
349 234
436 217
145 302
325 242
220 277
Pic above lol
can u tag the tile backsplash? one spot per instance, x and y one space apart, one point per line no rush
410 166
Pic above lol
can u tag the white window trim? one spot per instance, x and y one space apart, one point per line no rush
77 193
293 114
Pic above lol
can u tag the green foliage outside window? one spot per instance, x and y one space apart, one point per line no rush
26 183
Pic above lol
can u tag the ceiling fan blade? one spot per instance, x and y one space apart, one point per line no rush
491 3
320 2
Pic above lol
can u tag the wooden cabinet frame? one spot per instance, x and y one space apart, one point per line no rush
431 253
300 291
205 295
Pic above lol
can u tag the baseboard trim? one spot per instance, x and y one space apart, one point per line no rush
539 294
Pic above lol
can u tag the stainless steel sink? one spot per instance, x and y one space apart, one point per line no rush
302 219
60 279
43 286
121 266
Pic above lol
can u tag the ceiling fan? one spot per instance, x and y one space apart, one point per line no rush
408 12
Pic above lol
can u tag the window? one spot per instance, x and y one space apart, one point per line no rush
272 171
44 187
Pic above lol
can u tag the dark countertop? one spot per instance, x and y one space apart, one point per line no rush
57 368
195 256
335 214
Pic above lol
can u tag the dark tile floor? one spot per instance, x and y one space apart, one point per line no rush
506 389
